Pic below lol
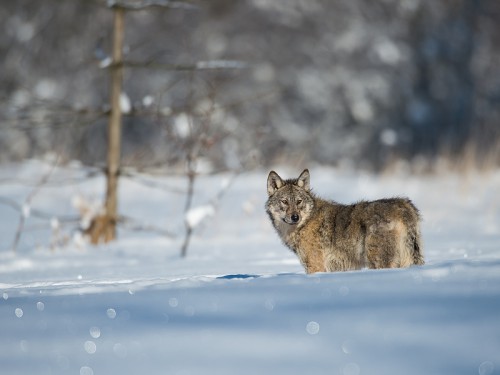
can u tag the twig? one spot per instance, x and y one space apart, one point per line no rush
191 173
209 210
53 183
38 213
137 178
187 238
200 65
25 209
143 4
131 224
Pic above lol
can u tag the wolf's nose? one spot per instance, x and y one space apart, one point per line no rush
295 218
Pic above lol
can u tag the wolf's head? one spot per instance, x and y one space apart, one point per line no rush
290 201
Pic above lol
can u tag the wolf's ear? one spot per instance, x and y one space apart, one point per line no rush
274 182
303 180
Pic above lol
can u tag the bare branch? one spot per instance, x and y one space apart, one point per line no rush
200 65
91 173
26 209
37 213
131 224
143 4
191 174
140 179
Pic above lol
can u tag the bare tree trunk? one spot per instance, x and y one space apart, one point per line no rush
103 227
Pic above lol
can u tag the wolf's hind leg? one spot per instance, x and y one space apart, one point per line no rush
384 243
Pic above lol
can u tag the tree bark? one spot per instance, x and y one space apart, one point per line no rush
103 228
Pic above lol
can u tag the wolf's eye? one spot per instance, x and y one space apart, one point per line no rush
284 201
299 201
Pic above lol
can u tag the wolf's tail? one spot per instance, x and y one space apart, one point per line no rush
415 244
414 241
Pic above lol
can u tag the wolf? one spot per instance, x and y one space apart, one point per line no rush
328 236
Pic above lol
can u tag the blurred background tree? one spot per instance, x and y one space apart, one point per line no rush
356 82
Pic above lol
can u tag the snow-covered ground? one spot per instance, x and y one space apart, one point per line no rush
240 302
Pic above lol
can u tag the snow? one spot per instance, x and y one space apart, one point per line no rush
105 62
197 214
182 125
240 302
125 104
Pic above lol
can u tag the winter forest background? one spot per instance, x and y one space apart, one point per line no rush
367 83
135 141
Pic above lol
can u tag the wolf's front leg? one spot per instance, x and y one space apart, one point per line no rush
338 262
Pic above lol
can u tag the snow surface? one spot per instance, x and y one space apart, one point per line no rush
240 302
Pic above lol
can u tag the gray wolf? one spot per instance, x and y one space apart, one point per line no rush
328 236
